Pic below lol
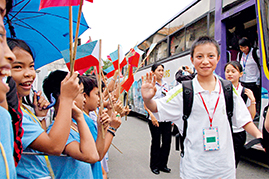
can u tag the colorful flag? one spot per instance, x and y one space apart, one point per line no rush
54 3
110 71
128 83
87 55
115 59
137 53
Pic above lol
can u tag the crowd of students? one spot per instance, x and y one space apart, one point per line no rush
74 143
83 126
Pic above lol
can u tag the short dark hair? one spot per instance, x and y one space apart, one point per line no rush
235 64
52 83
89 83
8 6
155 66
13 43
204 40
244 42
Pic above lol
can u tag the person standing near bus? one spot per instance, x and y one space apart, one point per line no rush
159 152
249 59
233 71
208 144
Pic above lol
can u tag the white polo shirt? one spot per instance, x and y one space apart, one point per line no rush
160 93
248 103
251 72
196 162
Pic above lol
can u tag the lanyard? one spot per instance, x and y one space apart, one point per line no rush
211 117
245 61
237 87
33 117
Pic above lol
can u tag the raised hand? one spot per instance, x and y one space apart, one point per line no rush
70 87
77 113
40 105
148 88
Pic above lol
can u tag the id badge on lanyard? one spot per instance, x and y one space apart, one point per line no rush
211 135
211 139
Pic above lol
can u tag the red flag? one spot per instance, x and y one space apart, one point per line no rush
128 83
54 3
134 60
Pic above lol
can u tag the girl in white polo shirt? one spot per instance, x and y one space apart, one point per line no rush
233 71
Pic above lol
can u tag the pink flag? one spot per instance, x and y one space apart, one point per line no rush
54 3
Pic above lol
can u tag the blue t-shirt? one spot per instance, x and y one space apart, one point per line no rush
68 167
7 140
31 166
96 167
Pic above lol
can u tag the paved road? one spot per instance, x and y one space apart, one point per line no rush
133 139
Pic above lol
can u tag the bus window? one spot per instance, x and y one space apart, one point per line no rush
196 30
151 57
161 50
177 43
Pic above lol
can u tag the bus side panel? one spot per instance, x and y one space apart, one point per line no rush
170 69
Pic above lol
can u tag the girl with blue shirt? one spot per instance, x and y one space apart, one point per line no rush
35 139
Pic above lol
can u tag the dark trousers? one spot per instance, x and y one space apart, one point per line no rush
257 93
239 140
160 144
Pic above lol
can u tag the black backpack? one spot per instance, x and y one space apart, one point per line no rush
187 107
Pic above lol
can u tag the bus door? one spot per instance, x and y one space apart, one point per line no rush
235 19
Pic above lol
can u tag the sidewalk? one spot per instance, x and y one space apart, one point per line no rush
133 139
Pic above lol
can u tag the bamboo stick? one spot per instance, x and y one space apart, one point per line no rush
119 69
71 40
76 37
100 87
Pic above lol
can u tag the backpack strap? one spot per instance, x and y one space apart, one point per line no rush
255 57
240 56
228 95
187 106
243 95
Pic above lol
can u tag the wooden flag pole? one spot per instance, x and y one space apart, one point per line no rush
109 97
71 40
77 31
143 61
100 87
119 69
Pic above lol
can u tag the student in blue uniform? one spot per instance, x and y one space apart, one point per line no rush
91 94
7 165
80 145
35 139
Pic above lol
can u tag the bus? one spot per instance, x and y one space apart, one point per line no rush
224 20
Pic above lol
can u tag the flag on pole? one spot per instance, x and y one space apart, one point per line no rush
54 3
87 56
134 59
115 59
128 83
110 71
